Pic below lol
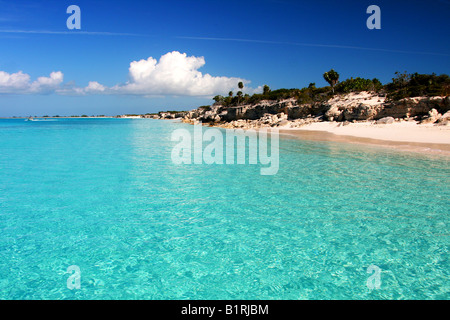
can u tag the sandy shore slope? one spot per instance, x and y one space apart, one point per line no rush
406 135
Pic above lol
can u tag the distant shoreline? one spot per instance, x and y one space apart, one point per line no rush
106 117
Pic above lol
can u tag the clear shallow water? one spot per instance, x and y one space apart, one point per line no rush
103 194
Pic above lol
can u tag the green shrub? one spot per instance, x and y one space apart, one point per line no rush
358 84
414 85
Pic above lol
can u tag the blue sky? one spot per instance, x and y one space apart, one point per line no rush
208 46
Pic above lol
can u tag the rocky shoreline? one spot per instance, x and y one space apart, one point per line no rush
354 107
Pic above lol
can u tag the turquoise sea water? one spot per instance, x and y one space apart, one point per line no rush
104 195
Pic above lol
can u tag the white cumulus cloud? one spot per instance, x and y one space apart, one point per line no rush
94 87
47 84
174 74
19 82
13 82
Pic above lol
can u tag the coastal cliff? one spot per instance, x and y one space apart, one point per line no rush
352 107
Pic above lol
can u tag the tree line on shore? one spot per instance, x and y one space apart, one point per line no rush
403 85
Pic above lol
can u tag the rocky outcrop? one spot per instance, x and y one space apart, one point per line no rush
351 107
415 107
433 116
445 119
385 120
254 112
279 120
354 107
170 115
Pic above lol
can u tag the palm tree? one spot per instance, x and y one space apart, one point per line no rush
239 95
240 86
332 77
218 99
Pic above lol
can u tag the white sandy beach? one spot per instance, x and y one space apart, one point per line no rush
406 135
